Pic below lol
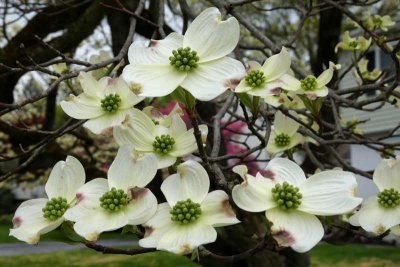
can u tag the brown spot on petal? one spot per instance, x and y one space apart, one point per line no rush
227 209
111 81
284 238
153 43
17 221
137 193
232 83
135 88
185 249
268 174
79 197
148 231
276 90
312 96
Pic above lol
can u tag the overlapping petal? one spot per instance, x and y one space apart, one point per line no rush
387 173
283 170
216 210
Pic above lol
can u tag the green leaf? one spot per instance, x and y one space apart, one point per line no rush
246 100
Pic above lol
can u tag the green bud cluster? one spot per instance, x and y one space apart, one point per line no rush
255 78
377 21
309 83
282 140
389 198
163 144
111 103
55 208
114 200
184 59
185 211
353 44
286 196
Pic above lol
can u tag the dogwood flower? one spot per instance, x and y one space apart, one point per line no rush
188 218
109 204
160 119
263 80
166 143
36 217
196 61
375 22
365 73
105 103
349 43
394 99
311 86
382 211
284 135
291 202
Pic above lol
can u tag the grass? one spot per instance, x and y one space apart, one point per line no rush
88 258
325 255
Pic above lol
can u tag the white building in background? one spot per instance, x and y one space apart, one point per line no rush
379 121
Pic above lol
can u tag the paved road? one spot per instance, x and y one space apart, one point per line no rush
44 247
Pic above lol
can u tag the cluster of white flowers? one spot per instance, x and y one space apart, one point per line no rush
198 63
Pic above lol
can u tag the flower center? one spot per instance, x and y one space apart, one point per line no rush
55 208
377 21
282 140
255 78
309 83
111 103
184 59
353 44
114 200
185 211
163 144
286 196
389 198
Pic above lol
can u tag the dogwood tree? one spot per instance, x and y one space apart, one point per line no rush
215 125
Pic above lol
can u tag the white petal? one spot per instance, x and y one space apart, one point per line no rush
184 144
295 229
142 206
153 80
120 87
82 107
88 197
329 193
277 65
65 179
159 224
130 168
164 161
97 221
216 210
242 87
266 90
191 181
355 219
325 77
90 85
106 121
290 83
285 124
241 170
211 79
272 148
321 92
387 173
29 222
158 52
377 219
283 170
254 194
182 240
178 126
211 37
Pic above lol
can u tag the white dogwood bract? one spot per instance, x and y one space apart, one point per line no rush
122 199
291 202
166 143
381 212
197 61
103 103
36 217
284 135
188 218
264 80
